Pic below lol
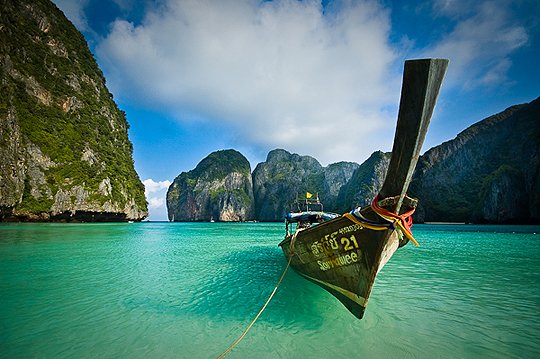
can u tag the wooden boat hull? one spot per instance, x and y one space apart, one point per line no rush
342 256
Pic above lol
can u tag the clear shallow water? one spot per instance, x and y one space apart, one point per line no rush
188 290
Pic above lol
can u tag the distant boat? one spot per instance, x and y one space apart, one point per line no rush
344 253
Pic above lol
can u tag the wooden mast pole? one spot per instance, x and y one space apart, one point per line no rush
421 84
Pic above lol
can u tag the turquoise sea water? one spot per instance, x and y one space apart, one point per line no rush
188 290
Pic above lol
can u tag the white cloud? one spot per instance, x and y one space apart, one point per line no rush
74 11
480 43
151 186
156 202
156 192
126 4
280 74
292 74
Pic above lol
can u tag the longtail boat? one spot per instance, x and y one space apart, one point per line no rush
344 253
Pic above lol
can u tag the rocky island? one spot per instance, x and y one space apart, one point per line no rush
278 180
219 188
490 173
65 154
64 147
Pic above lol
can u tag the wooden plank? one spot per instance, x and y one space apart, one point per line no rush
421 84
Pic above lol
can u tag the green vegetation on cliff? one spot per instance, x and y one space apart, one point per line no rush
60 121
365 182
219 188
219 164
284 176
489 173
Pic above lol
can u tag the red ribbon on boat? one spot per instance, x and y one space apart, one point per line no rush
404 221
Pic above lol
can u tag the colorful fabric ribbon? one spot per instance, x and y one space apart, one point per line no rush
403 221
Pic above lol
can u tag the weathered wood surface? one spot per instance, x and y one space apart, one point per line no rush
342 256
421 83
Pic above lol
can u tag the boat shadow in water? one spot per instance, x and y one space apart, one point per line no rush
244 280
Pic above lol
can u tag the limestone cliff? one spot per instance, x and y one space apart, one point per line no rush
336 176
283 176
219 188
64 147
489 173
365 182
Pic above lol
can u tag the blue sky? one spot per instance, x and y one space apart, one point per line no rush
319 79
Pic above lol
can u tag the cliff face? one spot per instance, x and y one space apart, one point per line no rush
365 182
283 176
336 176
63 141
219 188
278 180
489 173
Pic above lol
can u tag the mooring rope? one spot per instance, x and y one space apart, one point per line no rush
291 255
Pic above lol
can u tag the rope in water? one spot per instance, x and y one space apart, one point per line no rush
404 221
265 304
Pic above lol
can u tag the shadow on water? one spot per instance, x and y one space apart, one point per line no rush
217 274
245 279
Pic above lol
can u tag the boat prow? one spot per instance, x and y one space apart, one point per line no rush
343 254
